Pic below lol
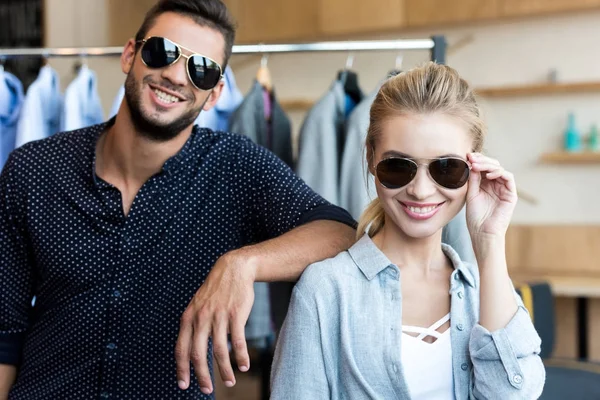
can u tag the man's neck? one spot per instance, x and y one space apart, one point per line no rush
126 156
126 159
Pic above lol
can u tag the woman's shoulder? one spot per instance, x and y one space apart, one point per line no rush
347 274
327 274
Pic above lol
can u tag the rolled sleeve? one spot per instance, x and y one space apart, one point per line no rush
506 362
329 212
299 357
16 280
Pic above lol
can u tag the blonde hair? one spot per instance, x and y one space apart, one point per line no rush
429 88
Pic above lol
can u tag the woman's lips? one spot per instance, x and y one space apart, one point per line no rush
420 211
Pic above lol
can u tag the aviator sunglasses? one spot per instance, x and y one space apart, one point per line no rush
448 172
159 52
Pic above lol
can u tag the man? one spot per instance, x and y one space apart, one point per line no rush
113 229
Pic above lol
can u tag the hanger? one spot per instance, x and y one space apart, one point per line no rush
263 76
398 66
82 62
349 79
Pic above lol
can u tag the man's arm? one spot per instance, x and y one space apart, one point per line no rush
294 227
223 302
8 373
15 276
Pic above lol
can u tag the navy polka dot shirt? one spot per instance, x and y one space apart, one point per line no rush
110 289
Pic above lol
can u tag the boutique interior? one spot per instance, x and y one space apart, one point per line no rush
534 67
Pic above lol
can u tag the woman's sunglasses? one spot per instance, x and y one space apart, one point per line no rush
448 172
159 52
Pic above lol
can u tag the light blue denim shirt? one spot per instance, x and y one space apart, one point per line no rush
342 335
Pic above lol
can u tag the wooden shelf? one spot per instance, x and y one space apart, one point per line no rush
539 89
585 157
565 286
297 104
491 92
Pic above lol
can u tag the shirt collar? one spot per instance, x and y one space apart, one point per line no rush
371 260
460 266
367 256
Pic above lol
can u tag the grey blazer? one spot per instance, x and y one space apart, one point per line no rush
320 137
249 120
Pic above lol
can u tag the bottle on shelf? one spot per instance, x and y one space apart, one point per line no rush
572 136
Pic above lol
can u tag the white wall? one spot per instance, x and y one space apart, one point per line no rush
517 52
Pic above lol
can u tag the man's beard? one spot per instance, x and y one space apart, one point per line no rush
153 130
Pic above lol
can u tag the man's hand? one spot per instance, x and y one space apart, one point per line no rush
222 305
223 302
8 373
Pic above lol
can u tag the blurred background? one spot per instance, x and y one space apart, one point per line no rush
534 64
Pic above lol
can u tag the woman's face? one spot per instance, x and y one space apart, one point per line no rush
422 207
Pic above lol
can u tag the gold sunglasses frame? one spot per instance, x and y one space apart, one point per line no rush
187 67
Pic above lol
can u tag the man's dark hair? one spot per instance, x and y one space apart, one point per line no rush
210 13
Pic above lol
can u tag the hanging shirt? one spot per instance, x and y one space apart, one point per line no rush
111 288
114 109
320 136
41 115
217 118
82 103
11 101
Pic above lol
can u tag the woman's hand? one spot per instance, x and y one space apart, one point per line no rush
491 200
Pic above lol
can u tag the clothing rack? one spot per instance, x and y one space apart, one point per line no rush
436 45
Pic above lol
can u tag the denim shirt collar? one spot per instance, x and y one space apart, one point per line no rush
371 260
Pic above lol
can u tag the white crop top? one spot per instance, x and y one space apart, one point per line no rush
428 366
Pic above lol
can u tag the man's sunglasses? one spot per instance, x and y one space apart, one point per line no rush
159 52
448 172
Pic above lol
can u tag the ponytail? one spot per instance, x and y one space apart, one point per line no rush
373 218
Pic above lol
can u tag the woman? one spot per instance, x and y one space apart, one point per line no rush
399 315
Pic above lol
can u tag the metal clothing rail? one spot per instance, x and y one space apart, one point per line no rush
436 44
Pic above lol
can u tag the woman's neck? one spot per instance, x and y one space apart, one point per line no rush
424 254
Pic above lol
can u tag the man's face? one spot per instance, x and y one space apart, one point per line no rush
150 92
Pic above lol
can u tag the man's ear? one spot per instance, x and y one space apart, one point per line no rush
213 98
128 56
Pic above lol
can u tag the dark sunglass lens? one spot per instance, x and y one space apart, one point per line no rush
394 173
159 52
203 72
451 173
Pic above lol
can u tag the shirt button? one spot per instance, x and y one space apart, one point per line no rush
518 379
104 395
116 293
111 346
460 327
464 366
395 368
460 295
456 277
